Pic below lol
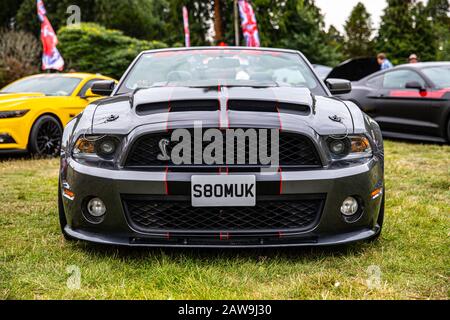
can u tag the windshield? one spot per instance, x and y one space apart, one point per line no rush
48 85
440 76
212 67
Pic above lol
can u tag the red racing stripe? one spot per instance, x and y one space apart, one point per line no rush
279 118
166 183
280 171
437 94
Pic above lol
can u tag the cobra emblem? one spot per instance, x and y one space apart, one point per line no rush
164 155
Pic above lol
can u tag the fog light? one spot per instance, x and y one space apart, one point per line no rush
96 208
6 139
349 206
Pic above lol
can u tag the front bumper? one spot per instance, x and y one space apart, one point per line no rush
14 134
330 228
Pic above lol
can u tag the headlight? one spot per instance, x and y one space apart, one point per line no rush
13 114
348 148
96 148
106 147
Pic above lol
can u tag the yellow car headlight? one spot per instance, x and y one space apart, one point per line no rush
13 114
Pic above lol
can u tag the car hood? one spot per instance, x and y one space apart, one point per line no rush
10 101
173 107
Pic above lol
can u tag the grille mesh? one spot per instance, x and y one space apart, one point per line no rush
294 151
151 215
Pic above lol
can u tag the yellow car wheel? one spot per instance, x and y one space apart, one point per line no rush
45 137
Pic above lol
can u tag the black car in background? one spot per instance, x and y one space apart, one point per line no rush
409 101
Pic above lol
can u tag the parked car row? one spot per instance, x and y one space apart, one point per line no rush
122 181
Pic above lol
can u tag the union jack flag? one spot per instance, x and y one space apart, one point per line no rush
41 10
51 58
249 24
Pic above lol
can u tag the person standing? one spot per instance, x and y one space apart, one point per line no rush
384 62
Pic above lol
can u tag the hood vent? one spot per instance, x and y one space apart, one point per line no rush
268 106
177 106
214 105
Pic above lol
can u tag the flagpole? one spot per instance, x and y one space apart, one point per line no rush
236 23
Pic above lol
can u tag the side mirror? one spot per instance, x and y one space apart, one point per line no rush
90 94
339 86
415 85
103 88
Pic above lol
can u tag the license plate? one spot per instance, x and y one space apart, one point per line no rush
223 191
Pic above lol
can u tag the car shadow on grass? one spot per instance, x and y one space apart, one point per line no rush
217 254
415 141
22 156
5 157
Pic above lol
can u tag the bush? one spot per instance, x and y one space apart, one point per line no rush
93 48
19 55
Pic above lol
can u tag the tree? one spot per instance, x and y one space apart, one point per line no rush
396 30
93 48
268 27
407 27
200 17
424 40
302 27
295 24
437 11
8 11
27 19
336 40
358 33
218 29
19 55
136 18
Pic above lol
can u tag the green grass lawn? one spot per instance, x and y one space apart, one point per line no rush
411 260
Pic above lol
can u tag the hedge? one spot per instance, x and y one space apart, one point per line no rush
93 48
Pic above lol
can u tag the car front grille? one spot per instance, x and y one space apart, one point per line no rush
295 151
175 215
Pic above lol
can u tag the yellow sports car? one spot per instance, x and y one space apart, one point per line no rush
34 110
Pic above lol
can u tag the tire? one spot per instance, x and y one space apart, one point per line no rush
62 216
380 221
45 137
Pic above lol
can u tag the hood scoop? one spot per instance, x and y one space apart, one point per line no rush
268 106
214 105
177 106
